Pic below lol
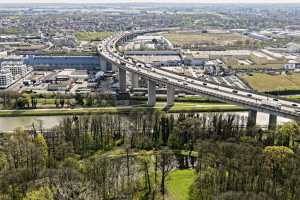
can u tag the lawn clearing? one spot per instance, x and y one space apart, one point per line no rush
267 83
220 39
179 183
92 36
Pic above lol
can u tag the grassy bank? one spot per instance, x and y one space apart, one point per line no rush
177 108
179 183
294 98
191 99
268 83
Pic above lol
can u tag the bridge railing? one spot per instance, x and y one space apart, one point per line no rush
211 82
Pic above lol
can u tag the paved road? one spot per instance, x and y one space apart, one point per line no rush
252 100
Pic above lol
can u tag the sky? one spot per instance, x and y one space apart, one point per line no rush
154 1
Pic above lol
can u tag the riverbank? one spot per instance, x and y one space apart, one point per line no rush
177 108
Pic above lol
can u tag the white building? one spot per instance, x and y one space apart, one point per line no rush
17 69
6 79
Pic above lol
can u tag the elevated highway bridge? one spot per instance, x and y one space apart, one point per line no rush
254 101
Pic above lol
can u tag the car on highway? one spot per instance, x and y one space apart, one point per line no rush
275 99
249 95
234 91
204 83
148 65
295 105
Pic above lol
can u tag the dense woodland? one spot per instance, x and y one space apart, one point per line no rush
132 156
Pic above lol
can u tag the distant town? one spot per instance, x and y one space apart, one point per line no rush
37 44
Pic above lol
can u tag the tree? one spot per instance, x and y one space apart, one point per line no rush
287 133
41 144
62 102
165 166
3 160
43 193
90 100
79 99
22 102
145 168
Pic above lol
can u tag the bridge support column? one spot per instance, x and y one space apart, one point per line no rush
114 68
134 80
122 80
251 119
170 95
151 93
272 122
103 64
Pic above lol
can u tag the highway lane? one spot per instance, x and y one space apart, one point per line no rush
243 97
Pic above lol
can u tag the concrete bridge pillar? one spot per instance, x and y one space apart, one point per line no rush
114 68
151 93
251 119
103 64
272 122
170 95
122 80
134 80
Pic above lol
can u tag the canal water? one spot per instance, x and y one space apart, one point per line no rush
11 123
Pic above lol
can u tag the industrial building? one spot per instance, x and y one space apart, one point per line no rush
57 62
6 79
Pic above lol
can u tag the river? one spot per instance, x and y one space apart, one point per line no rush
11 123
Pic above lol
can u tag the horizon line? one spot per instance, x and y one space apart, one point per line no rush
150 2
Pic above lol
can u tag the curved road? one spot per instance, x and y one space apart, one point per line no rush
256 101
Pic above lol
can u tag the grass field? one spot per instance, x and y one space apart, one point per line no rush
294 98
255 66
267 83
178 107
188 38
179 182
92 36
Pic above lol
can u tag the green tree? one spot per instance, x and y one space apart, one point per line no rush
43 193
41 144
